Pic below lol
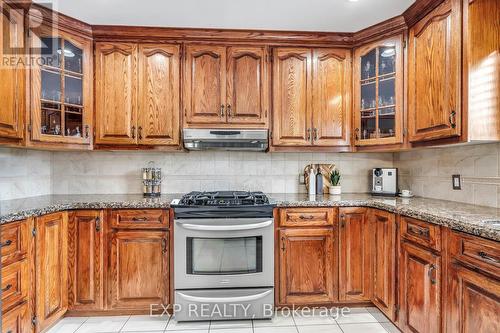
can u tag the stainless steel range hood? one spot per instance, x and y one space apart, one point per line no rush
226 139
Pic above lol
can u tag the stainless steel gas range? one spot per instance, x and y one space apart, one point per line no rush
223 256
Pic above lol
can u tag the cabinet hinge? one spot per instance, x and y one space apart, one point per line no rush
404 44
34 321
396 310
29 128
405 132
270 134
33 232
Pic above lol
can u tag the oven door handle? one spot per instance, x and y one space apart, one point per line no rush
225 299
204 227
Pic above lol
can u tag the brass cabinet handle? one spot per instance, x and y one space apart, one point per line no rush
228 110
432 268
7 287
308 134
306 217
86 131
315 134
485 256
419 232
164 245
7 243
222 110
357 134
138 219
283 244
133 132
97 224
452 119
139 131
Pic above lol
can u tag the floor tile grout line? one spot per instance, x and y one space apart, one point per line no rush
125 323
81 324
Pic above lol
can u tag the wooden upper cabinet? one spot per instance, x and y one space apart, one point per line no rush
331 102
306 266
419 289
205 84
12 83
85 252
434 74
355 251
292 79
61 89
51 269
384 261
378 92
116 93
247 86
159 90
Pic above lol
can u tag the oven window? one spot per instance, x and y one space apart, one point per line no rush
224 256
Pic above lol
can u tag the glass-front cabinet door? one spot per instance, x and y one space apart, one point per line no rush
378 93
61 102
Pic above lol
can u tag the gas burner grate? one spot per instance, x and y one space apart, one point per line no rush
224 198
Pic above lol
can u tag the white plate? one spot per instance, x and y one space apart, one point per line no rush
406 196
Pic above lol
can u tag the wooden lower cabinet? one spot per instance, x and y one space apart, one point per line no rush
355 257
306 266
419 289
17 320
473 301
139 269
383 226
51 269
85 252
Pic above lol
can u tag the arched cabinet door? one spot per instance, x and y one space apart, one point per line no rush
247 88
292 77
331 97
205 84
378 93
116 99
159 90
434 74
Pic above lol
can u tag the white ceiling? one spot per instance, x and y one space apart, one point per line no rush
308 15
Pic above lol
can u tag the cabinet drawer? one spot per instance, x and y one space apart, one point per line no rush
16 320
139 219
307 217
15 283
14 241
478 252
420 232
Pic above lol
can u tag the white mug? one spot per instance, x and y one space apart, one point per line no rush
406 193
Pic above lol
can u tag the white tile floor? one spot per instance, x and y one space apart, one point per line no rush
359 320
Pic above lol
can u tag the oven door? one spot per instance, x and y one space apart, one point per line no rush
223 253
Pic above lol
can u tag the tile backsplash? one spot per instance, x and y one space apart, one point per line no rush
24 173
119 172
428 173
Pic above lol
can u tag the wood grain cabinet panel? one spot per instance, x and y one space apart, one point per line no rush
292 79
17 320
205 84
116 93
308 217
159 90
384 261
306 266
85 253
15 284
15 242
434 74
473 300
12 83
331 101
51 269
247 86
139 269
419 289
355 253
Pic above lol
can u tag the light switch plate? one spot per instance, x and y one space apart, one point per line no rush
456 182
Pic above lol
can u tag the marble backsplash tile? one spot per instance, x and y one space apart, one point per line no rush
428 173
119 172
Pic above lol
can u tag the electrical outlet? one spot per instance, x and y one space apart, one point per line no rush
456 182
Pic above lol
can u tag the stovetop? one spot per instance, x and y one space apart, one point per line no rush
224 198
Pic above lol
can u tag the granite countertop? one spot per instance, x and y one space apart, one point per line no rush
477 220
